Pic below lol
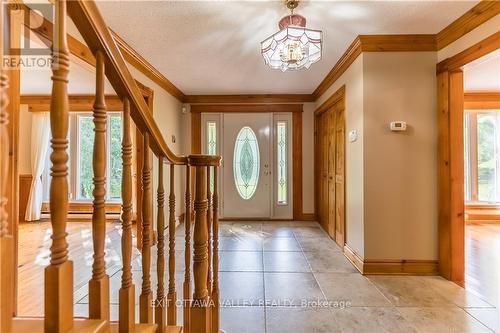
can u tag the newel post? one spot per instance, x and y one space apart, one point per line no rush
59 273
6 240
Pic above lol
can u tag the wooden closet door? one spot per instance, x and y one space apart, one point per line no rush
324 170
340 178
331 116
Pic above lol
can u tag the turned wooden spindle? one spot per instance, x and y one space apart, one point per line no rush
160 308
145 298
126 323
209 229
200 320
187 252
6 240
215 254
59 273
172 295
99 284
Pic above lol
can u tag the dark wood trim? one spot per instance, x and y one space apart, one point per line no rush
297 165
308 217
245 99
481 100
246 108
488 45
473 18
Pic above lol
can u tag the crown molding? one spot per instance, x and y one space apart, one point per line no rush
245 108
249 99
44 30
136 60
473 18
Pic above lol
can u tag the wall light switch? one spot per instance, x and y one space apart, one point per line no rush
353 135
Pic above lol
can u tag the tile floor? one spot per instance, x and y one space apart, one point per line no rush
290 277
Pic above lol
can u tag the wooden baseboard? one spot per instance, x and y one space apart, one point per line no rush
391 267
356 260
308 217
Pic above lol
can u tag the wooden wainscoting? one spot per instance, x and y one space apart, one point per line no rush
391 266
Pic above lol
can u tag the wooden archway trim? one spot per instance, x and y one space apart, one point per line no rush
450 107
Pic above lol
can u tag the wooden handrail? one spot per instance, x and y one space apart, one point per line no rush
98 37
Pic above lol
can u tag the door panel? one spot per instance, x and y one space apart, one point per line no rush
256 202
340 179
331 172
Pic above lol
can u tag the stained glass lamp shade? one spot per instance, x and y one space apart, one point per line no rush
293 47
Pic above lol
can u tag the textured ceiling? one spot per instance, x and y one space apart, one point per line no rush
212 47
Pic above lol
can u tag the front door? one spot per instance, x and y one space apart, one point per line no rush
247 165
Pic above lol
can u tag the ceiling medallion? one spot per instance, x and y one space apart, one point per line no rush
293 47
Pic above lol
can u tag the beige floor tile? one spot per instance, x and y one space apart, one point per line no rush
244 229
315 231
240 261
240 243
329 262
354 288
490 317
277 230
300 319
241 288
311 244
291 288
454 293
281 244
449 319
243 319
372 320
285 262
409 291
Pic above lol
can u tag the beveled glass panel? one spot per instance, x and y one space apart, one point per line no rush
246 163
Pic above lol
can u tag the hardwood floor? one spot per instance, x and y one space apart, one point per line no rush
482 260
34 244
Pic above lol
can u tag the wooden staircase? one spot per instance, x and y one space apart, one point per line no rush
157 309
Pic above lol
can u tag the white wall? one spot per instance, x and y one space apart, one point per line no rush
353 81
400 180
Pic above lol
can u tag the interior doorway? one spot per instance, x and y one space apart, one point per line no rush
256 172
330 167
482 176
456 193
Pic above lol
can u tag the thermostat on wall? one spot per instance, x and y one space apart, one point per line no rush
398 126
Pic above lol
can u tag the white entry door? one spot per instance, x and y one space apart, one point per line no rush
246 165
255 179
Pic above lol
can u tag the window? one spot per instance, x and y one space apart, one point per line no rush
246 163
211 148
482 156
80 151
281 151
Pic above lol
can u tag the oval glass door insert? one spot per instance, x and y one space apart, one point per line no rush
246 163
